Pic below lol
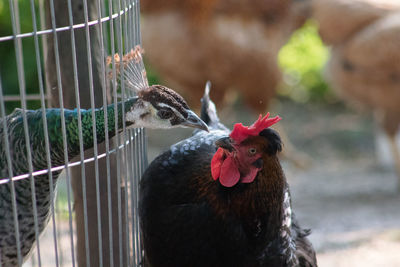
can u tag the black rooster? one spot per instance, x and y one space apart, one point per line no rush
221 199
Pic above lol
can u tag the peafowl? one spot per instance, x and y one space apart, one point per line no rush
154 107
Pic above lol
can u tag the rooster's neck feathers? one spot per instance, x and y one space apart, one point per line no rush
288 242
263 196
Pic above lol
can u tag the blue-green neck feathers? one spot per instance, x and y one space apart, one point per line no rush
53 116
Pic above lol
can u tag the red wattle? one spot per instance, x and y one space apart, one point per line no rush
230 174
249 178
216 163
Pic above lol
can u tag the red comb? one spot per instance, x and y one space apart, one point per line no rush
240 132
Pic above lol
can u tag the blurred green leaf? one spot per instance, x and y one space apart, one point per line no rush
8 64
302 60
152 75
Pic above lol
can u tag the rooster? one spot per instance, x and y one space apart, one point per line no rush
221 199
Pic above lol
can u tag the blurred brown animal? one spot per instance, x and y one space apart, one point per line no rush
233 43
365 61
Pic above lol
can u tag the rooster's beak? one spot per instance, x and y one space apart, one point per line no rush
225 143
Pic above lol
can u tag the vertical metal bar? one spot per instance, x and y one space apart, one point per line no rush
129 215
134 197
120 42
103 47
125 24
58 233
10 174
46 134
131 18
101 10
139 152
110 7
118 165
130 40
145 160
137 16
127 200
130 163
133 189
109 192
143 142
44 36
21 80
136 154
137 188
131 174
63 127
137 177
126 188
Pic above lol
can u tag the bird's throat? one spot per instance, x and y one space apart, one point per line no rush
224 167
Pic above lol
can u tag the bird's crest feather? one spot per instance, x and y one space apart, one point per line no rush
129 68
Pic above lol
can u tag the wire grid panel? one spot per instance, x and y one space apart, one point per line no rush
36 227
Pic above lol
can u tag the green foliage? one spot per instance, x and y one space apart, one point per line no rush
302 60
152 75
8 62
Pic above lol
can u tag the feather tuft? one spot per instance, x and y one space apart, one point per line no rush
241 132
129 68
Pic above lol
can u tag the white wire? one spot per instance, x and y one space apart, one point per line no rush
66 28
58 168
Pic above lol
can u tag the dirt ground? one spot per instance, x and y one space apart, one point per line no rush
345 196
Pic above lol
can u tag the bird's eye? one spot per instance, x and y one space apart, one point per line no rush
164 113
252 151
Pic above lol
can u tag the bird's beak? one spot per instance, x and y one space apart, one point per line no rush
195 122
225 143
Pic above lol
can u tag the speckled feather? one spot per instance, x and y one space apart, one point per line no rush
14 121
188 219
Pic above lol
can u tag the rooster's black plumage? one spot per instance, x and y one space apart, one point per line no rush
188 218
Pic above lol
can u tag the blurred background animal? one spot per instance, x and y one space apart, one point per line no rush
232 43
364 66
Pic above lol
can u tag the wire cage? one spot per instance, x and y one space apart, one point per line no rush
82 211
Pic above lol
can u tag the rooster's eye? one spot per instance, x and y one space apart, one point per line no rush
252 151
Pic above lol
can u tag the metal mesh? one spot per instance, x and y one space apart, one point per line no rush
118 30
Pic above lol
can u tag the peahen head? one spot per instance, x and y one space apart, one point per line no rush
160 107
157 106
